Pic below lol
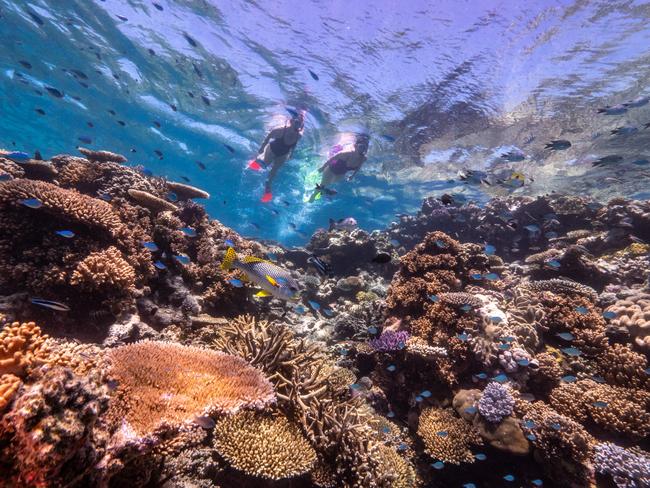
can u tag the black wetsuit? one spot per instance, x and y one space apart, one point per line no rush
280 148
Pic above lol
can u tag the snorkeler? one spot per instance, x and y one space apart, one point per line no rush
337 166
277 149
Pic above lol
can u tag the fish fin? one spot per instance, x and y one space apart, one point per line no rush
272 281
253 259
229 259
262 293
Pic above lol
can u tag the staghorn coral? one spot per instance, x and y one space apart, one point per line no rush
622 411
496 402
49 436
419 347
263 445
9 385
447 437
185 192
633 314
169 383
21 347
152 202
101 156
629 468
401 472
105 270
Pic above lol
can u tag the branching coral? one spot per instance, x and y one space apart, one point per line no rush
168 383
629 468
21 346
264 445
9 385
447 437
496 402
390 340
105 270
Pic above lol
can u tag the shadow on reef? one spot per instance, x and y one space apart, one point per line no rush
464 346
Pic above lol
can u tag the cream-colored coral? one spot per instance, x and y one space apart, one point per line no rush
400 472
21 347
184 191
633 314
419 347
102 156
106 269
9 385
169 383
264 445
152 202
447 437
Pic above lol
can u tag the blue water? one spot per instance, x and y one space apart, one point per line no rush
455 84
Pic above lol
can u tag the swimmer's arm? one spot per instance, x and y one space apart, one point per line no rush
356 170
274 134
341 155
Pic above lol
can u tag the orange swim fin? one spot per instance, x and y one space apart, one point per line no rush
267 197
254 165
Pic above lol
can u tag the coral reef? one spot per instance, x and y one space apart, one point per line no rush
629 468
447 437
495 403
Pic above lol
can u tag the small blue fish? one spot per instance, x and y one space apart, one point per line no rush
391 368
537 482
509 477
496 319
490 249
52 305
463 336
582 310
480 456
556 426
16 155
388 137
5 177
442 433
500 378
188 231
508 339
572 351
600 404
476 276
68 234
438 465
390 415
609 315
425 394
531 437
343 351
533 228
471 410
172 197
105 196
329 312
355 386
647 371
418 398
567 336
394 243
150 245
466 308
402 447
314 305
529 424
182 258
441 244
504 347
568 378
598 379
229 243
433 298
641 162
551 235
160 265
553 263
469 485
147 172
236 283
491 276
31 202
300 310
385 429
481 376
372 330
271 256
523 362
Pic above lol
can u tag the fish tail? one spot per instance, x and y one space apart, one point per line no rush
229 259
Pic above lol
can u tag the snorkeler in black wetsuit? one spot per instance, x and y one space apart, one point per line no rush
277 149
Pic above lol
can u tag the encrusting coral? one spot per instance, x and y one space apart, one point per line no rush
265 445
164 383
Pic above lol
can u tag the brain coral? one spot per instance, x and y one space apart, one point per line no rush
264 445
447 437
162 382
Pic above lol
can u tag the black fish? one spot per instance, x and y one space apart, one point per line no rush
201 165
25 64
133 150
121 122
191 95
40 111
152 52
611 159
230 148
197 70
255 225
79 74
173 107
447 199
159 7
558 145
286 204
185 179
116 76
85 139
78 99
206 100
112 112
35 18
514 156
90 124
157 124
313 75
321 266
191 41
158 152
54 92
37 155
646 126
121 17
382 258
85 85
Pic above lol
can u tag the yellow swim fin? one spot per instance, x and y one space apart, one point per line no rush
262 293
229 259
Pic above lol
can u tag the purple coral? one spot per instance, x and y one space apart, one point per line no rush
390 340
495 403
628 469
